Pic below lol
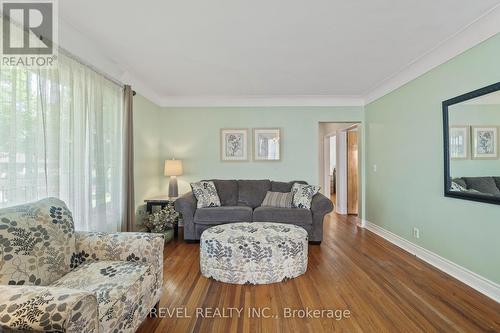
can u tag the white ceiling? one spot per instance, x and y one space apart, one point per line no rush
185 48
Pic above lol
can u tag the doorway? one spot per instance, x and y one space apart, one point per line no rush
340 175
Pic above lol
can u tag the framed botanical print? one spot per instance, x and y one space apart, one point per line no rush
267 144
459 142
234 144
484 142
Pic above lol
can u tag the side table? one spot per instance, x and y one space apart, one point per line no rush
162 202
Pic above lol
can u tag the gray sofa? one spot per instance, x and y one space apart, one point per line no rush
240 202
480 185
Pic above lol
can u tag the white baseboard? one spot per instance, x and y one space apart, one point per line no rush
476 281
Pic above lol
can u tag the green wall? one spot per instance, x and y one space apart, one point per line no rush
475 115
404 139
147 131
193 135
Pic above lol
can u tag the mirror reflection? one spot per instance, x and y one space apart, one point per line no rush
473 146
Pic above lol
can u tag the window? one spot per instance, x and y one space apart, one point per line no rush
61 136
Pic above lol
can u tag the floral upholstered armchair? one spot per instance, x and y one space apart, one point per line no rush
55 279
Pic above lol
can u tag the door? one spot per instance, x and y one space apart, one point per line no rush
352 172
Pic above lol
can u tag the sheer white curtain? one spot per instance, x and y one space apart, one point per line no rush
61 136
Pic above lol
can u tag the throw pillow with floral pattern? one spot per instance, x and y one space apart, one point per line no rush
206 194
303 195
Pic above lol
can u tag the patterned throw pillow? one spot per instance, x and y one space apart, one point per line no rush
303 195
278 199
456 187
206 194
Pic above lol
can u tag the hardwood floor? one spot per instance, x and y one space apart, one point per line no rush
384 288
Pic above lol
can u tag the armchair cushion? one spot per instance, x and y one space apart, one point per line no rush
123 290
36 242
103 258
40 308
118 246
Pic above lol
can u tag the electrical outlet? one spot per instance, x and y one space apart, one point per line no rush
374 168
416 232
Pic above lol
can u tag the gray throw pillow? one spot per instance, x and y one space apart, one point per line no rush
303 195
206 194
278 199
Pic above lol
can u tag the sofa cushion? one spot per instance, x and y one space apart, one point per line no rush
485 185
284 187
251 193
37 241
122 289
282 215
206 194
217 215
227 191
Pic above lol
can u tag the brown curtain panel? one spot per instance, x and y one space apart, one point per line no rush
128 223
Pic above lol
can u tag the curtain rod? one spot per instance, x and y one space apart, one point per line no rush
83 62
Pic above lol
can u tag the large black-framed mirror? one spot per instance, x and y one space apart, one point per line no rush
471 127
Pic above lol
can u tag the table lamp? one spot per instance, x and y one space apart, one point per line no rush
173 168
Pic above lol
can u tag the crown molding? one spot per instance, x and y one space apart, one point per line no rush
260 101
479 30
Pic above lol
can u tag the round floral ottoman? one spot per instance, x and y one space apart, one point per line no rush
256 253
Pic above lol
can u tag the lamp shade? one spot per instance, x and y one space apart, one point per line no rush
173 168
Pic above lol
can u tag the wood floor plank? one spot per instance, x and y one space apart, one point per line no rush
385 289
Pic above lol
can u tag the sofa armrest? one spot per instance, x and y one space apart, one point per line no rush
37 308
119 246
320 206
186 205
